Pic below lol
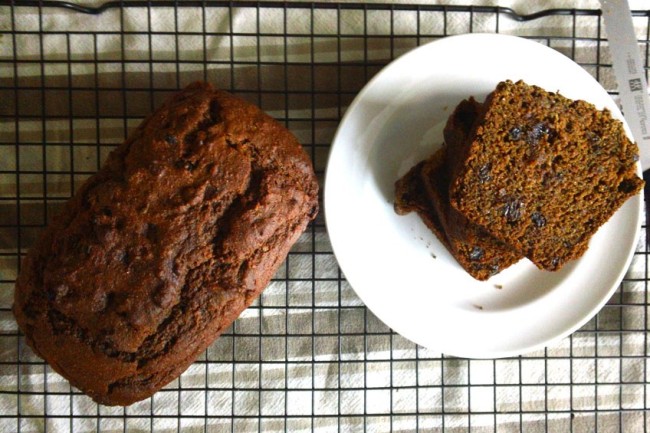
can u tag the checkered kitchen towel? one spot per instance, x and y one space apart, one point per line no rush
308 355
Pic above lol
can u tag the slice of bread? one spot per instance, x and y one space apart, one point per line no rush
542 172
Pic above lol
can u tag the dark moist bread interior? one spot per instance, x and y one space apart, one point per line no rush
542 172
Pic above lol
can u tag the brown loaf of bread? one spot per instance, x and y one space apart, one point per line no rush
541 172
163 248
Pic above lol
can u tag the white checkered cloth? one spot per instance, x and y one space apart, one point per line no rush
308 355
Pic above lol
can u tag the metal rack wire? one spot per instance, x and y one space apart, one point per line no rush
308 355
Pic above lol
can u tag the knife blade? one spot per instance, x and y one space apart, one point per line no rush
629 72
632 84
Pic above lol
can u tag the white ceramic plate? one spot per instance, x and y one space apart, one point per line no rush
396 121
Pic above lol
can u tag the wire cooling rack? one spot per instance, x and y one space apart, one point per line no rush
308 355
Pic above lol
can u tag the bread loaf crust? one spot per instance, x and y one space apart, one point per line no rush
162 249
